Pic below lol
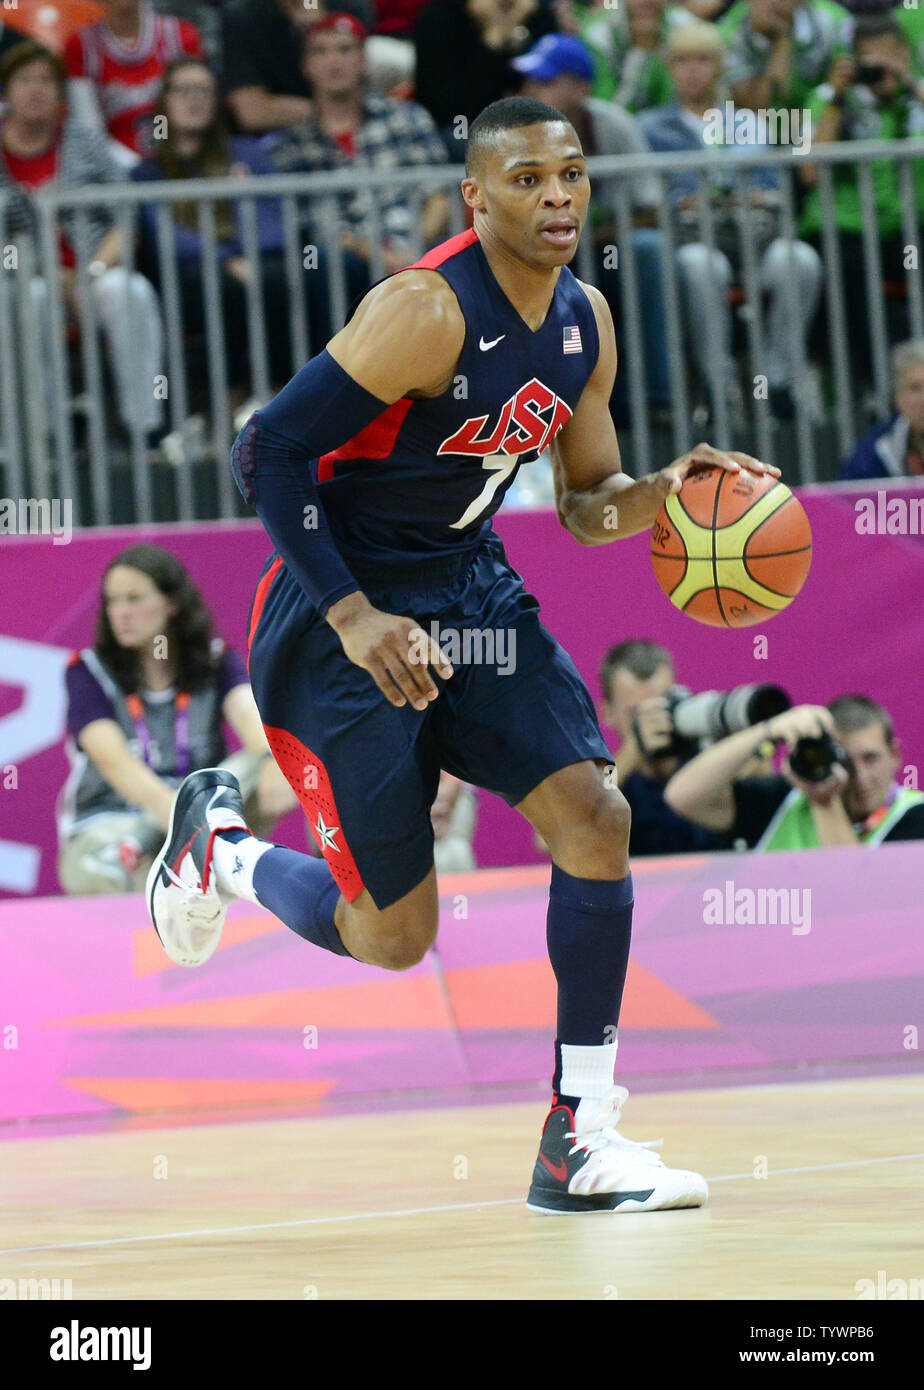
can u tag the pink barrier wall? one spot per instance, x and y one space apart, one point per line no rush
96 1021
856 626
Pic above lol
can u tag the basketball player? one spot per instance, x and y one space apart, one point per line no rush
376 472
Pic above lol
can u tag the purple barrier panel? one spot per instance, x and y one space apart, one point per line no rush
860 607
737 961
843 633
58 595
95 1019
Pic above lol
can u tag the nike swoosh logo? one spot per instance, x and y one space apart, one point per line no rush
216 796
486 346
558 1170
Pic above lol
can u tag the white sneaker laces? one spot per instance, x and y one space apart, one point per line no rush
200 907
600 1131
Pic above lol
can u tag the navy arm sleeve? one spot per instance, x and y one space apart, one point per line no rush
273 461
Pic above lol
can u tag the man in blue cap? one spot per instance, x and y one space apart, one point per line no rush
559 70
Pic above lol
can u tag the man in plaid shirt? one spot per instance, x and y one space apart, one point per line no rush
352 127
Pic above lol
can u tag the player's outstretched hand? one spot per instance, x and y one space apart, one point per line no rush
396 651
670 479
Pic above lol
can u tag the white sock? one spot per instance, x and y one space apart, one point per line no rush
587 1072
233 865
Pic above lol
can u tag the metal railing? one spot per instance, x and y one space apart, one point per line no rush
59 434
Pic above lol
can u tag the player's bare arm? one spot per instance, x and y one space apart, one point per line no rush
595 500
404 340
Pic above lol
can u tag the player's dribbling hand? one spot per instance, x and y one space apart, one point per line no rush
670 479
396 651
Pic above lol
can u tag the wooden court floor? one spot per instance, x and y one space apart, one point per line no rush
428 1204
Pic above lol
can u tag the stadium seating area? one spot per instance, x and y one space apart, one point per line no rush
257 89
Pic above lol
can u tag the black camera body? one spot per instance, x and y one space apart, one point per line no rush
814 759
871 73
714 714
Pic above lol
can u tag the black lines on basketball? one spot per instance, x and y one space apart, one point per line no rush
758 578
715 567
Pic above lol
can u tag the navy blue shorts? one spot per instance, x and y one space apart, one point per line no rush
366 772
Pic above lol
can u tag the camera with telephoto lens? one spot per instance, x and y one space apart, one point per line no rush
871 73
713 714
814 759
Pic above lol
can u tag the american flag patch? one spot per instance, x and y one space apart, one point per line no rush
572 340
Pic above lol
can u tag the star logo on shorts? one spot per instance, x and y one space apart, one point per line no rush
326 834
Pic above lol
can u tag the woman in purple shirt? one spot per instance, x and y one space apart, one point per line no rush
145 707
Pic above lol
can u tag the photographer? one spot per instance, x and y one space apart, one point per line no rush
837 785
778 50
636 677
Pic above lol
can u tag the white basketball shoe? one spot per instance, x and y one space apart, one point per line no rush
186 907
586 1165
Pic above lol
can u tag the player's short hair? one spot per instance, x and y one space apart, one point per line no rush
506 114
852 713
640 658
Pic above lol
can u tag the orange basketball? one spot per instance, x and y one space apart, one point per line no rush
731 549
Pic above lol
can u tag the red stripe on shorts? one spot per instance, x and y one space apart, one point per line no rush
259 599
308 778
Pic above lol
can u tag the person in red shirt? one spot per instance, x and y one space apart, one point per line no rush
352 126
398 17
116 67
40 142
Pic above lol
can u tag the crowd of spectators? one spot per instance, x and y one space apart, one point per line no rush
200 88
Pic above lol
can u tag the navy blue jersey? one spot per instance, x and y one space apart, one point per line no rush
426 476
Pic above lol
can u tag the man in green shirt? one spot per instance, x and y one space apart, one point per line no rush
627 42
778 50
861 803
871 94
911 23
